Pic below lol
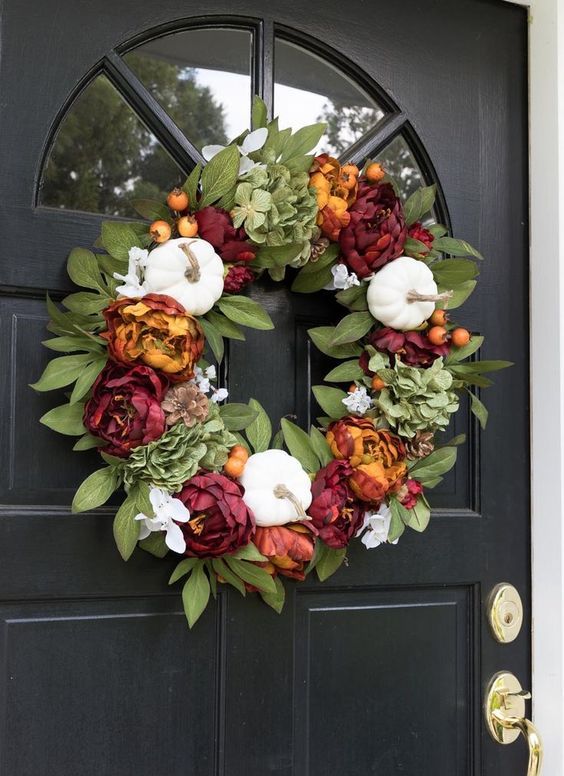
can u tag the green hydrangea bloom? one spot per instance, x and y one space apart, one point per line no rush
217 439
416 399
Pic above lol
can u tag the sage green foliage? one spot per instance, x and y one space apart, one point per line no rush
217 439
415 399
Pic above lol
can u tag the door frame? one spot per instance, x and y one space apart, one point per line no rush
546 164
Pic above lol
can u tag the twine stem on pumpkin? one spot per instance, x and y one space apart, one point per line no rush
192 273
281 491
415 296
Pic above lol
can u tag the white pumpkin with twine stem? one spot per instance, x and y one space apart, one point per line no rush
188 270
277 489
403 294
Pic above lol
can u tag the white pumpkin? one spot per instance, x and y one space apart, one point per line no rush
403 294
277 489
187 269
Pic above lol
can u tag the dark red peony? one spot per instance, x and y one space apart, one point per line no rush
418 232
409 492
237 278
125 408
215 226
376 232
413 347
220 521
334 510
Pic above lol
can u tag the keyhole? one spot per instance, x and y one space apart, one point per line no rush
508 619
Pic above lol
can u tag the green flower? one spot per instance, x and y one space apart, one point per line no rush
217 439
416 399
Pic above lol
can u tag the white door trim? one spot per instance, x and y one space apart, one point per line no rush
546 72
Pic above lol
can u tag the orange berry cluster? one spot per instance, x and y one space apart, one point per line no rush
186 225
238 457
438 334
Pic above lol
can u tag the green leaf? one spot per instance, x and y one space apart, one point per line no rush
259 116
452 272
190 185
300 446
83 269
87 442
276 255
414 247
460 295
151 209
245 311
219 175
328 561
275 600
437 230
320 446
278 441
310 282
213 338
118 238
478 409
222 569
196 594
302 142
345 372
354 297
330 400
155 544
253 575
488 365
66 419
224 326
322 338
418 516
438 463
86 302
237 416
459 354
71 344
455 247
184 567
125 527
259 431
142 492
352 327
87 378
397 523
249 552
96 490
419 204
61 371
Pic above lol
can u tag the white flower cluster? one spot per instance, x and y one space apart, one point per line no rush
168 512
342 279
203 379
358 401
376 528
134 283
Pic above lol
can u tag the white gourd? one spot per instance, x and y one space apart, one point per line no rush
188 270
403 294
277 489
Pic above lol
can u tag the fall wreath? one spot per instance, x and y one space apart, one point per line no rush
206 479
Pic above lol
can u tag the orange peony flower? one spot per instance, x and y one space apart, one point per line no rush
288 549
372 481
336 192
157 331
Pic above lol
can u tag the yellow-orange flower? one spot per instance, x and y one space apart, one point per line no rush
372 481
336 189
157 331
288 549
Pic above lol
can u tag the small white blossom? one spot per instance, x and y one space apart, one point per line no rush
168 512
254 141
358 401
211 373
220 394
342 279
133 283
376 527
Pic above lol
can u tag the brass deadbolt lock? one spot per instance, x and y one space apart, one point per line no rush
505 612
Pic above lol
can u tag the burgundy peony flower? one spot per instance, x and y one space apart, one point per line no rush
220 520
418 232
215 226
413 347
125 408
237 278
376 232
334 510
409 493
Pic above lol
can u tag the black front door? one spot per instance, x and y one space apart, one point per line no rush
381 669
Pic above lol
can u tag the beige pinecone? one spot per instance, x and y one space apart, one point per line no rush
421 445
187 403
318 248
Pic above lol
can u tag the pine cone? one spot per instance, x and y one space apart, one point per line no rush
318 248
420 446
187 403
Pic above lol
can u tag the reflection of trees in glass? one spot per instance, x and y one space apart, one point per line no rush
346 124
104 156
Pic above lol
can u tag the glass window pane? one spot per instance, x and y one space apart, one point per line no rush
103 156
309 89
398 161
202 78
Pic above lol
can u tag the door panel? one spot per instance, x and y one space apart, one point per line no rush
380 670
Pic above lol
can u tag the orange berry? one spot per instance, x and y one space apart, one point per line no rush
239 452
234 467
353 387
350 169
374 172
348 182
187 226
437 335
439 318
177 200
160 231
460 337
377 383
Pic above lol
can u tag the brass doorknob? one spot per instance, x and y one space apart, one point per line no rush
504 710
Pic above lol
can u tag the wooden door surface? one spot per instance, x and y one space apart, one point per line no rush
381 669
